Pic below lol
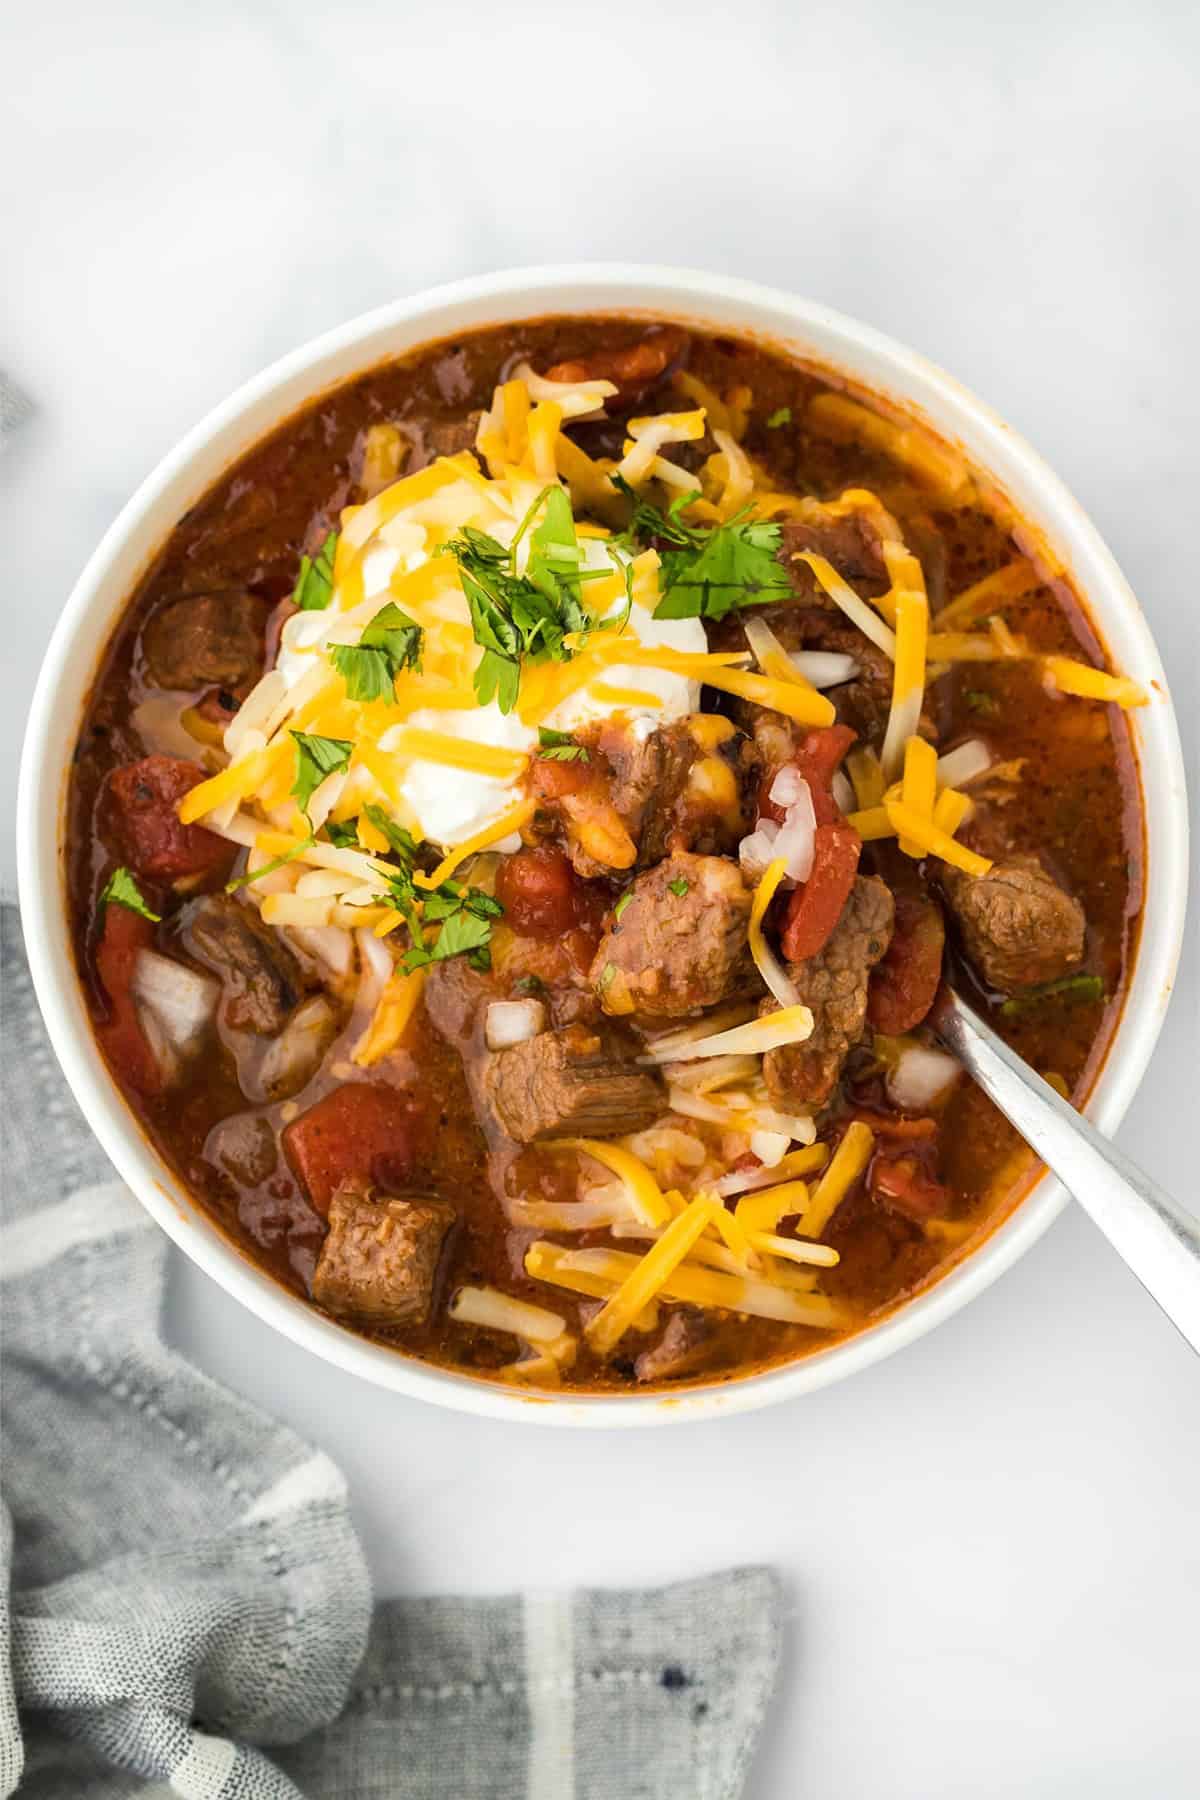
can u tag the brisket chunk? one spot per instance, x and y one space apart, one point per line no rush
834 986
568 1082
379 1263
1019 927
263 982
206 640
680 940
686 1343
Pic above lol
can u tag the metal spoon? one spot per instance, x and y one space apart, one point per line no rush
1158 1240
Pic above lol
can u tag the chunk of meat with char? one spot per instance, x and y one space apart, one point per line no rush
569 1082
834 986
635 369
206 640
850 542
679 944
1019 927
447 437
263 982
140 806
379 1263
640 796
686 1343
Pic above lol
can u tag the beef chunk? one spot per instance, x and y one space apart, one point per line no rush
379 1262
851 544
834 986
141 805
206 640
263 982
680 941
1019 927
447 437
686 1343
566 1082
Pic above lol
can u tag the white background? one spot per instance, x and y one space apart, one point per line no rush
990 1543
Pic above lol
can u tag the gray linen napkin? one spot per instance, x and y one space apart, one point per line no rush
187 1590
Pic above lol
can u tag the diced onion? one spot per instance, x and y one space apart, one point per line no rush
511 1022
788 786
842 791
294 1057
757 850
920 1077
770 1147
177 1003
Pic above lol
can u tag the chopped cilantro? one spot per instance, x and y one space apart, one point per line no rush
314 584
268 868
560 746
1079 989
781 416
316 757
391 642
401 842
622 903
343 833
708 570
980 701
521 618
122 888
529 984
679 886
466 917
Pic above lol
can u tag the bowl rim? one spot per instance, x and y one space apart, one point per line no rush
801 328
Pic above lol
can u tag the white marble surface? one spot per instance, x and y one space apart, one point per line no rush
990 1543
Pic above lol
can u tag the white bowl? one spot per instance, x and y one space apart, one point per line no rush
808 331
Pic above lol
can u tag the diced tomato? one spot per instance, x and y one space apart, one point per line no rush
633 369
121 1036
817 758
814 908
905 982
905 1185
536 888
360 1132
553 780
142 802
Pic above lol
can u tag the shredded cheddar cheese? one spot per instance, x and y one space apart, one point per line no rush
849 1161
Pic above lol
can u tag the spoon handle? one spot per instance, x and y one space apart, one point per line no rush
1155 1236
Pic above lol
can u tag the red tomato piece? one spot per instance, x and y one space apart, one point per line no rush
814 908
143 805
536 888
121 1037
554 780
905 1185
817 758
905 981
359 1132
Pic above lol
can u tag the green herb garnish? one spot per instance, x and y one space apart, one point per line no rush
343 833
606 975
709 570
622 903
781 416
314 584
529 984
122 888
391 642
1079 989
466 916
316 757
679 886
268 868
560 746
402 843
980 701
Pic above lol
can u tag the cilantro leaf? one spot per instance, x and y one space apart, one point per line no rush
466 917
560 746
401 842
316 757
343 833
391 642
735 566
122 888
980 701
622 903
679 886
268 868
781 416
314 584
